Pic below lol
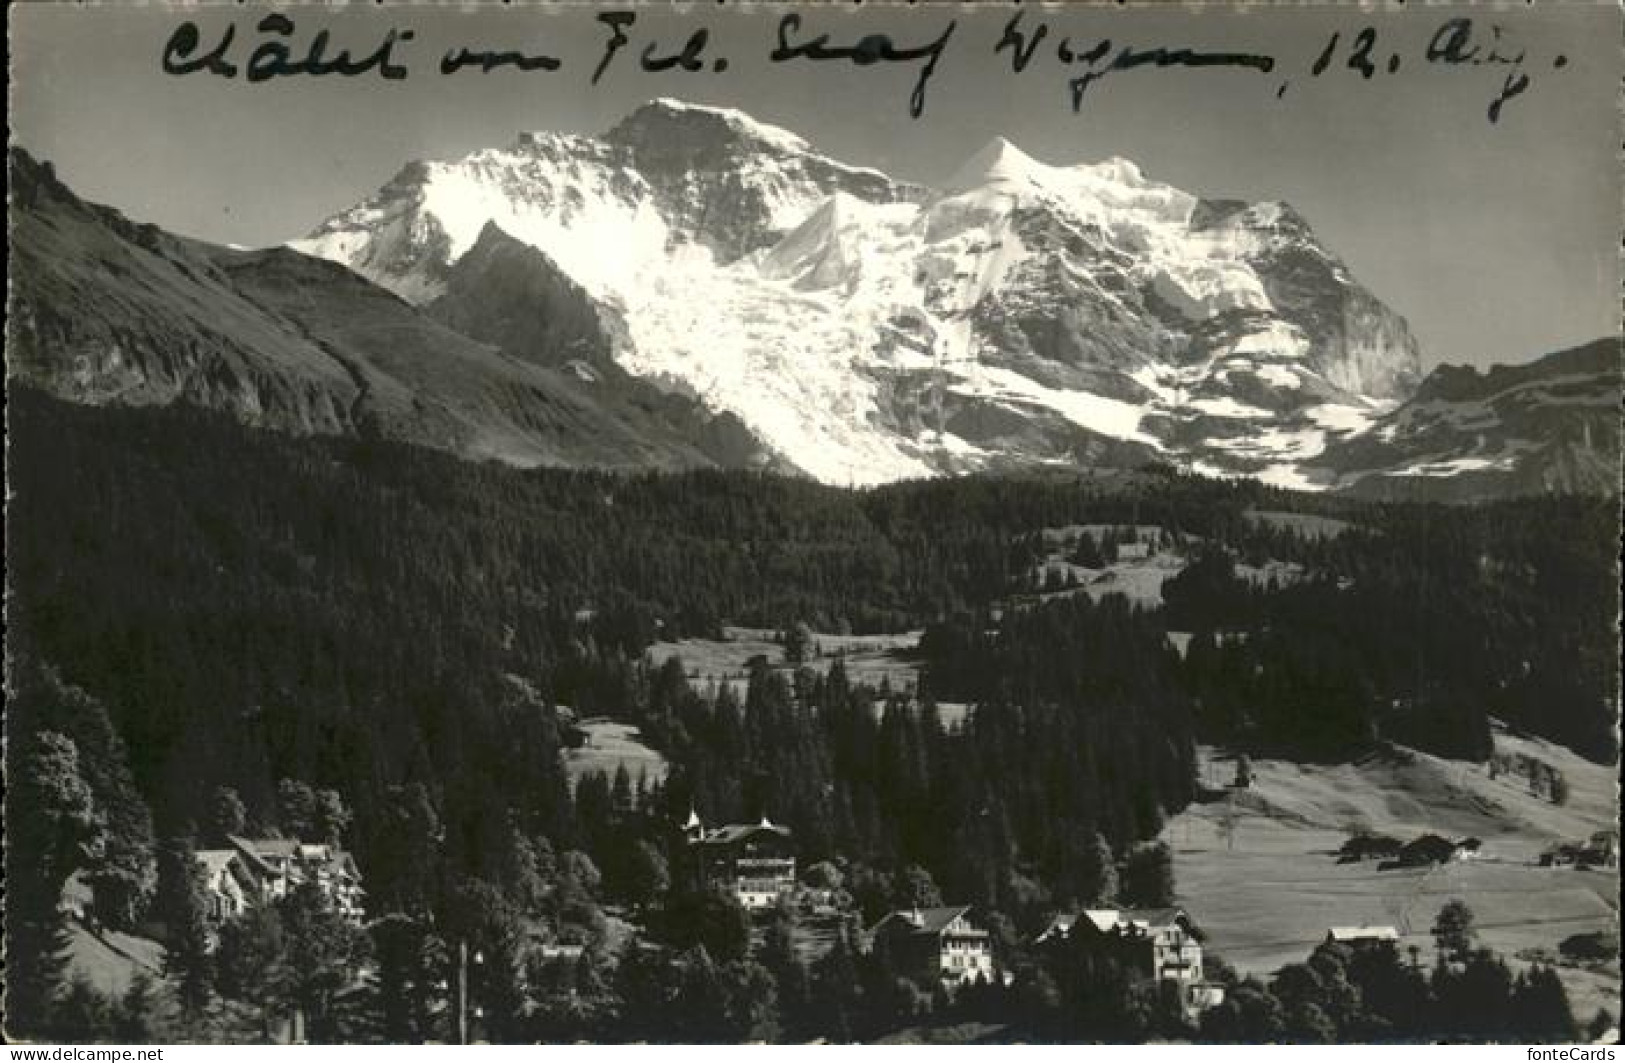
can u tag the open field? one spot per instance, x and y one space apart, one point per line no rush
1305 524
869 658
1267 894
110 960
1139 580
610 745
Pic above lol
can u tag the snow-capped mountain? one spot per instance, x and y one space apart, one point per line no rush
866 329
104 310
848 326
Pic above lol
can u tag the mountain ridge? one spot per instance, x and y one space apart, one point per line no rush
103 309
1040 317
848 318
1551 425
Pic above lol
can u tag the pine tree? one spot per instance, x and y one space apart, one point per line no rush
1148 876
647 876
181 907
330 817
137 1019
83 1014
53 829
408 993
1540 1008
251 962
296 809
916 888
1100 881
322 953
1453 930
227 816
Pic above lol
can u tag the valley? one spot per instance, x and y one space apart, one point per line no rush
714 592
1260 871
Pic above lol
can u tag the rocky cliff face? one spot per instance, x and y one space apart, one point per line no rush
511 294
730 183
1552 425
104 309
867 329
1361 346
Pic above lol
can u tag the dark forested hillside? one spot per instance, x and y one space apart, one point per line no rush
198 608
253 606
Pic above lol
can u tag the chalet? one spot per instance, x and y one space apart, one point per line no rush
1133 551
273 862
256 871
1357 936
754 862
334 872
288 863
1561 855
561 951
229 887
1600 850
1161 943
933 945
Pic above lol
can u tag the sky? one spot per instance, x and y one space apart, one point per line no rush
1498 241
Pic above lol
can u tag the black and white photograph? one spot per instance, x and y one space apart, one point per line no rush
813 523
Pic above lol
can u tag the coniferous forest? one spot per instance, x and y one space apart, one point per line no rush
215 630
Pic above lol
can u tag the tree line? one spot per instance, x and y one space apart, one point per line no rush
370 641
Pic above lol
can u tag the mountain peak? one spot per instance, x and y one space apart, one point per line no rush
998 162
1001 162
1122 170
665 117
773 282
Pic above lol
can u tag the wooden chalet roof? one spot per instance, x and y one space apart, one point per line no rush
1114 920
731 833
1362 933
922 920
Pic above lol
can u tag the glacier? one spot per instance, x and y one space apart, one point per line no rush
866 329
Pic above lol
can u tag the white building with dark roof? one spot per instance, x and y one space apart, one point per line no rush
1160 943
755 862
1360 935
256 871
936 944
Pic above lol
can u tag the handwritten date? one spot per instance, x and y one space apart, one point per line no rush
1456 43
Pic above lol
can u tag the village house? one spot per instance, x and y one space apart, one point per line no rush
1564 854
1358 936
935 945
1601 850
1136 550
257 871
1160 943
754 862
1370 847
229 888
